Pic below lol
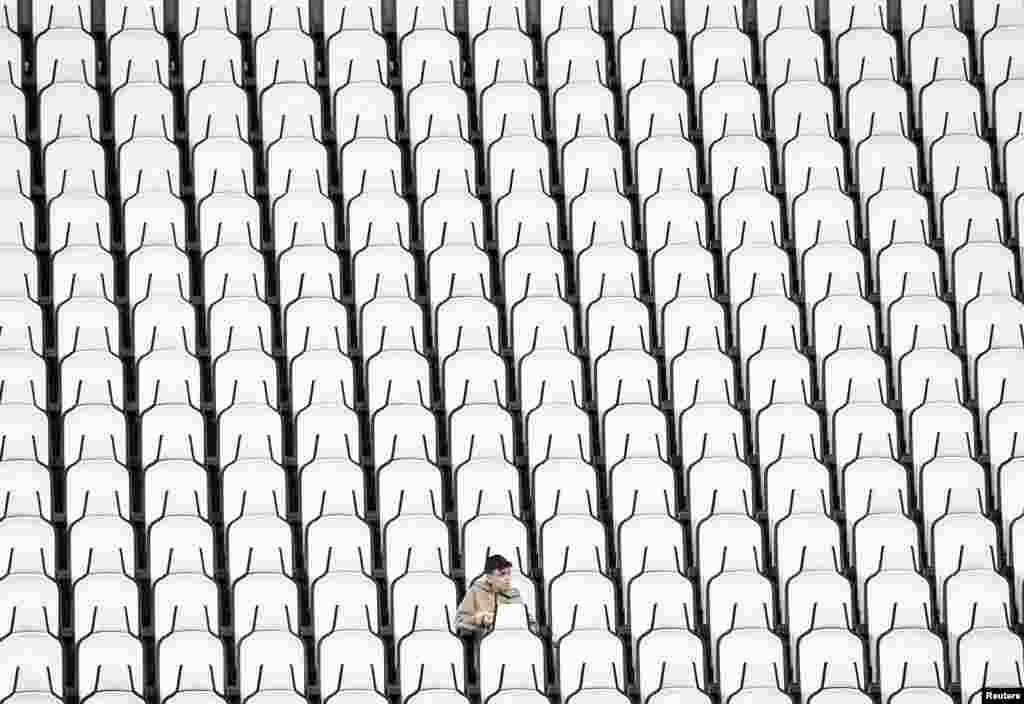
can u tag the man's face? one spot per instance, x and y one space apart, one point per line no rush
503 579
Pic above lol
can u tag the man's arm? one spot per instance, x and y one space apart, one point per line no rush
468 616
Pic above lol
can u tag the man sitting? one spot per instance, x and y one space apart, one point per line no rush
492 589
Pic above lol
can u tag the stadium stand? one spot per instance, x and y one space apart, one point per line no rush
706 313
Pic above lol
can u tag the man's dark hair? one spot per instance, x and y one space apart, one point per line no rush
495 563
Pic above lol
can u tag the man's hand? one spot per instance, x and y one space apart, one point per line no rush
486 618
